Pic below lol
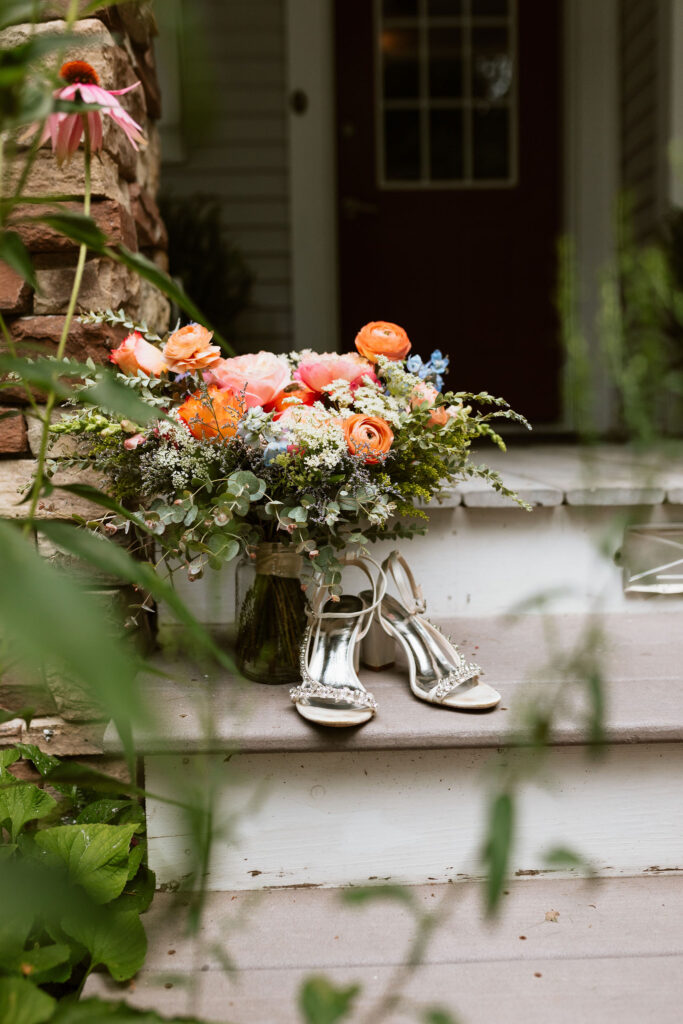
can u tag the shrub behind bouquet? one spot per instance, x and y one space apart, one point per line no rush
316 452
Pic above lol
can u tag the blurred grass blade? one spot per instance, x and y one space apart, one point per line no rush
498 847
115 560
322 1003
75 226
47 618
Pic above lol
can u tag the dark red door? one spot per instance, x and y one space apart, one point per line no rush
448 117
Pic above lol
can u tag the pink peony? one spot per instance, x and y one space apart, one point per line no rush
320 370
422 393
259 376
134 353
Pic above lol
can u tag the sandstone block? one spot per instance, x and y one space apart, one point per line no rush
112 218
154 308
15 480
15 293
91 32
145 69
151 230
61 445
106 285
47 179
148 172
13 434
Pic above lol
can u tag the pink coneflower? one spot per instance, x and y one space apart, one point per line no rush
66 130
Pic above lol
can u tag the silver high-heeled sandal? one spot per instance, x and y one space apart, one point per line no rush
330 692
438 672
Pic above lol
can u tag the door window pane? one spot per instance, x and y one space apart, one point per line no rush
401 63
490 8
445 8
446 145
445 62
402 145
399 8
491 63
491 143
447 103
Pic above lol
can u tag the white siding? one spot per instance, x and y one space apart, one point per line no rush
243 160
641 88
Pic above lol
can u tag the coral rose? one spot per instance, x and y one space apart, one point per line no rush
293 394
134 353
381 338
220 418
319 371
259 377
368 436
189 349
426 393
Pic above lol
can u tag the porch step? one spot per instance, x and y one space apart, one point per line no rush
404 797
485 556
614 952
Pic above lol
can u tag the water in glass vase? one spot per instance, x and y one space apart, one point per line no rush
271 615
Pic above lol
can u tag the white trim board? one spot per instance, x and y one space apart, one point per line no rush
411 817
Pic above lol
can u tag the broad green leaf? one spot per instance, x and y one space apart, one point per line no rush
114 939
138 893
498 846
16 255
23 1003
116 561
321 1003
8 757
22 803
73 634
96 1011
44 763
75 226
16 12
101 812
135 858
45 963
111 394
96 856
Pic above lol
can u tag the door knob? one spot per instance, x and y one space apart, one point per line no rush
353 207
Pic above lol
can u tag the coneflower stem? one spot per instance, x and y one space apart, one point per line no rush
39 477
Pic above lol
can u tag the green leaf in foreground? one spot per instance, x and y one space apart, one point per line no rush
321 1003
75 226
362 894
115 560
73 635
16 255
115 939
95 1011
497 848
21 803
96 856
23 1003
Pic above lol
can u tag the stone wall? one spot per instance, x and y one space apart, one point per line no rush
118 42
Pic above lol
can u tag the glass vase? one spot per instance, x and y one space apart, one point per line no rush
271 615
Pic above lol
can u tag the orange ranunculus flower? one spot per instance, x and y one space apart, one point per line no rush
134 353
290 396
189 349
427 394
381 338
220 418
369 436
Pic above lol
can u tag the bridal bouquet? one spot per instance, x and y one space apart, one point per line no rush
288 459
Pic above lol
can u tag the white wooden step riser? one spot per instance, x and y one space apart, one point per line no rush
477 562
328 819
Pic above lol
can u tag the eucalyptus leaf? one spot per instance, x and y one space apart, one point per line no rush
96 856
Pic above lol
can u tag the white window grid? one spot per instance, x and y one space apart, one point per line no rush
466 21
